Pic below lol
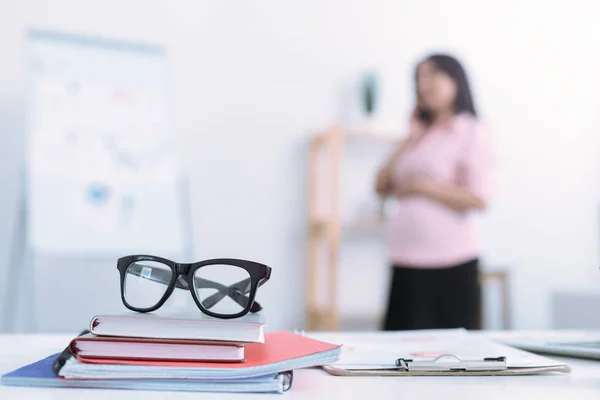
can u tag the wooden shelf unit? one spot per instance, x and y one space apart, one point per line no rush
325 161
327 229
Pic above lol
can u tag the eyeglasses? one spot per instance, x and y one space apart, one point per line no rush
222 287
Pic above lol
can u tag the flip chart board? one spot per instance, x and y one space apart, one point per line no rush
102 164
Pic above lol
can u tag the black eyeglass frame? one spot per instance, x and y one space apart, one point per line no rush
259 275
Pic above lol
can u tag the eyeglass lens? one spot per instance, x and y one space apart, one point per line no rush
146 283
222 288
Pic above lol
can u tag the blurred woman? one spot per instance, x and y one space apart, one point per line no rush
440 174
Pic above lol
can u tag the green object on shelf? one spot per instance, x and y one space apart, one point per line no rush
369 92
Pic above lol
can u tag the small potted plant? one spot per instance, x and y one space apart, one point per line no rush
369 97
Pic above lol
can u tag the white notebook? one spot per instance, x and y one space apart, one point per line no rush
102 347
193 326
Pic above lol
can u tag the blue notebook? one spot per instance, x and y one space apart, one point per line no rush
41 374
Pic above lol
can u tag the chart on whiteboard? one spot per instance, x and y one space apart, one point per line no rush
102 161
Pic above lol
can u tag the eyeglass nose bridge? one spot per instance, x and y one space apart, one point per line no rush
182 269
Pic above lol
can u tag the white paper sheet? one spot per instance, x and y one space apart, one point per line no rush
382 350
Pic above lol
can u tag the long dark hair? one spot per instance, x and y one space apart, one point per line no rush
464 99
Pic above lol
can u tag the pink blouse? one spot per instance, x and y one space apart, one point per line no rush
425 233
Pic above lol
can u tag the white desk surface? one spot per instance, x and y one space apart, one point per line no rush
314 384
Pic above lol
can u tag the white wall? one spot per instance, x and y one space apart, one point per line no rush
252 79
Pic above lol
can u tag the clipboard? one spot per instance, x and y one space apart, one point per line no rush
446 365
450 352
452 363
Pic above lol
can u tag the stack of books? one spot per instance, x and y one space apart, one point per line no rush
186 352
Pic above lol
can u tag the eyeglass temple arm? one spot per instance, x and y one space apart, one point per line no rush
236 291
240 287
164 277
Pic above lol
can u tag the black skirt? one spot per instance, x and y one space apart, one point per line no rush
434 298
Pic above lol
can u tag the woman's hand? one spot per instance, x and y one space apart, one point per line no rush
458 198
383 185
413 186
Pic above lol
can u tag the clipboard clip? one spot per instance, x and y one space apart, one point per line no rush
453 363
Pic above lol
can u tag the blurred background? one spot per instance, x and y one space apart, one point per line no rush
240 89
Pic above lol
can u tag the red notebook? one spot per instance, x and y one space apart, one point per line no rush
278 347
90 347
